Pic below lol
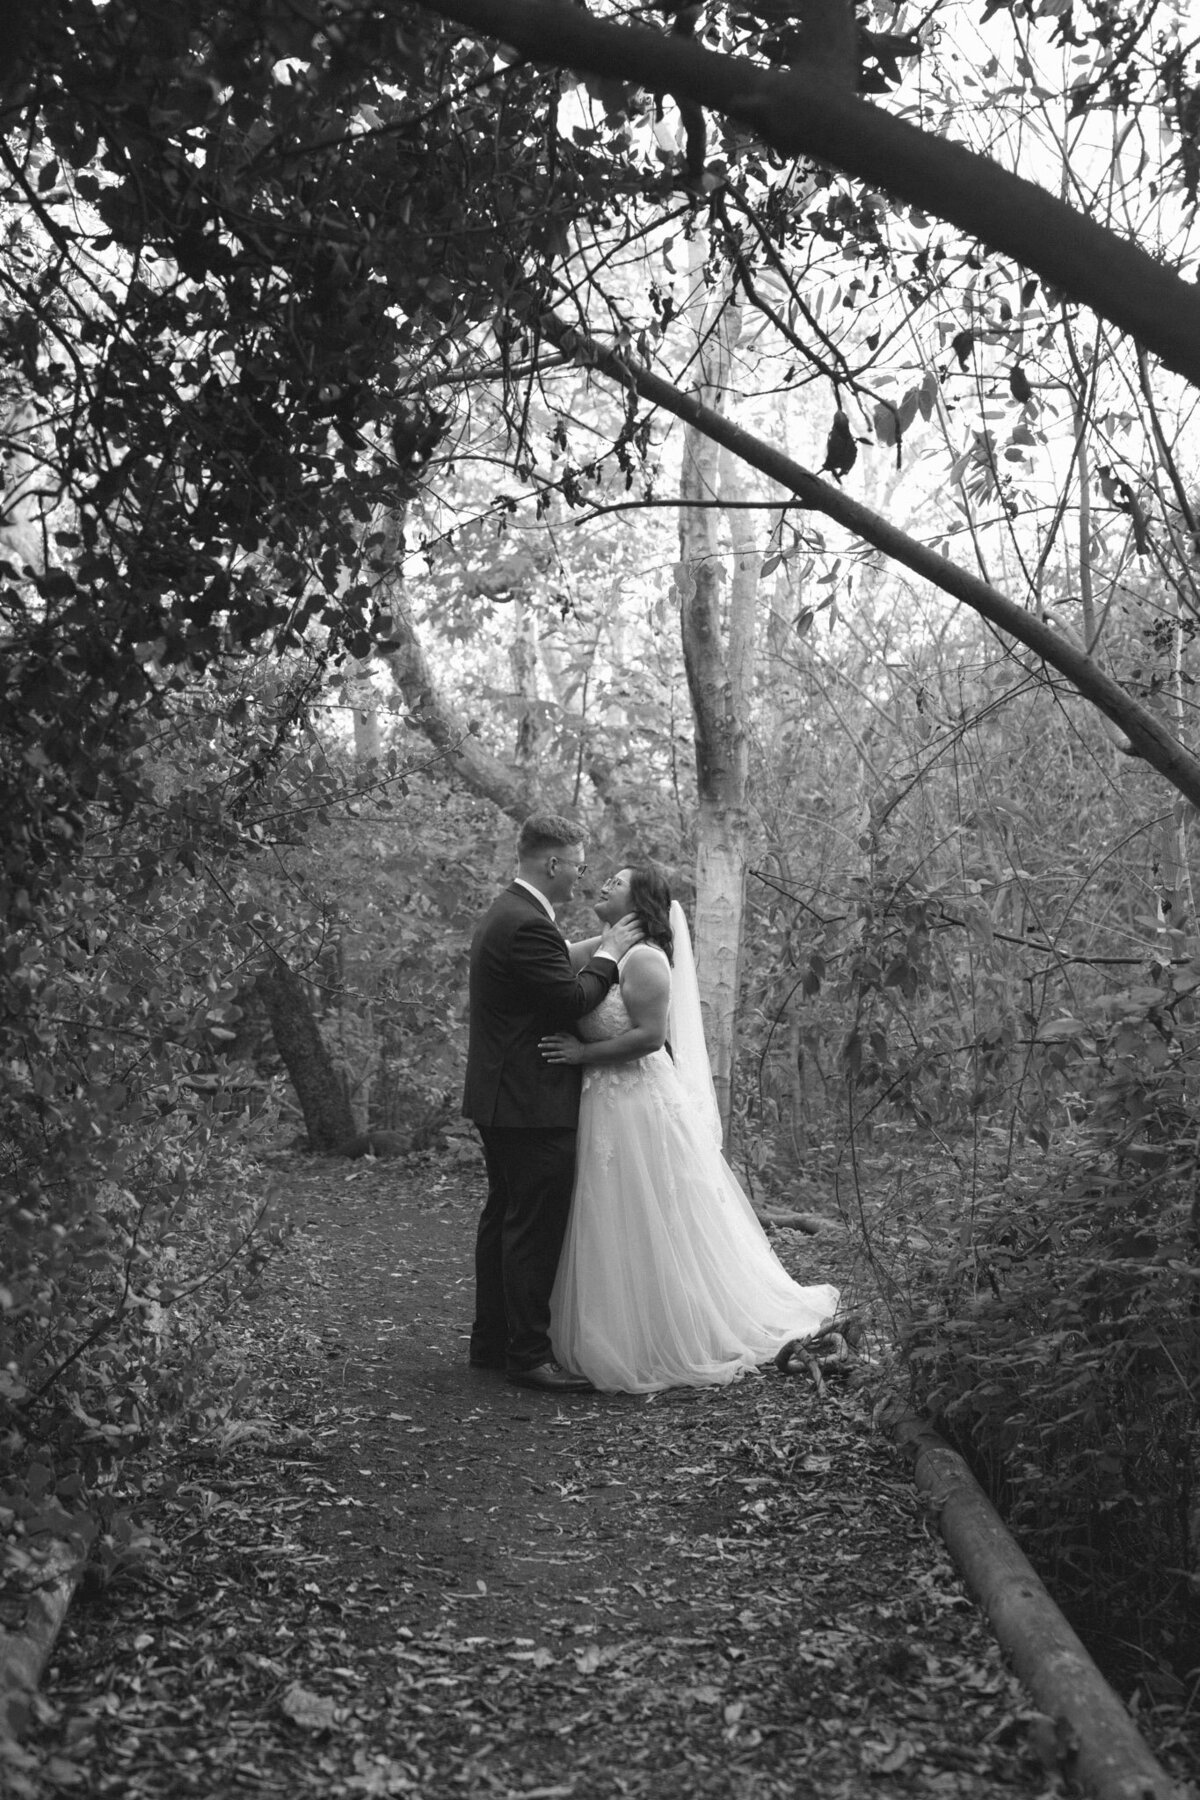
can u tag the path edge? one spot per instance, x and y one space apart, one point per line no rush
1103 1751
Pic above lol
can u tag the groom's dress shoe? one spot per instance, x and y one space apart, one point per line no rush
552 1378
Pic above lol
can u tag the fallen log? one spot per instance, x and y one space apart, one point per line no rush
1098 1744
25 1645
810 1222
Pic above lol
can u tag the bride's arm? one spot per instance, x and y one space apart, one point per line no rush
582 952
646 991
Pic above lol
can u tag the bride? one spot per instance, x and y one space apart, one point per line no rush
666 1277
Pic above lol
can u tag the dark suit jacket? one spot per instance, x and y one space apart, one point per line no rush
522 987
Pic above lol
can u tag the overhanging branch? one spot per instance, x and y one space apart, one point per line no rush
801 114
1147 736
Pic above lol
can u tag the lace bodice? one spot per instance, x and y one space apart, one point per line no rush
640 1073
607 1020
610 1018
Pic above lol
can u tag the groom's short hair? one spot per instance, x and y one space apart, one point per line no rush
546 831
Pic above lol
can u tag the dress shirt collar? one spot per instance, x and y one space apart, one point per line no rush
538 896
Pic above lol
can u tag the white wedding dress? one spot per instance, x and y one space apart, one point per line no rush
666 1277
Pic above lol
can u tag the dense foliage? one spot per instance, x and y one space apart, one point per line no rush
1057 1339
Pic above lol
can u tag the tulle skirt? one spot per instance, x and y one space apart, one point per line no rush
666 1277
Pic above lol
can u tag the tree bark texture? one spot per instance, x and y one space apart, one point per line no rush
1183 913
800 112
722 762
364 707
523 661
1099 1746
321 1092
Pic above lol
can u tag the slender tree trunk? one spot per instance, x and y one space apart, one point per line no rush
1177 901
319 1088
368 752
523 661
1175 873
364 706
1087 596
719 668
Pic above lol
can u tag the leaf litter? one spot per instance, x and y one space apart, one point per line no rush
403 1577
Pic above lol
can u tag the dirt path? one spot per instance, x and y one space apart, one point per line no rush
411 1578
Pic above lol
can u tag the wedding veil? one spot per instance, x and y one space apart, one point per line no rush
685 1029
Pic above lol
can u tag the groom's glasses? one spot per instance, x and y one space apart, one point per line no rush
579 868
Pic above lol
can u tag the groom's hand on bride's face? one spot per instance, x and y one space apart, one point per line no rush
622 936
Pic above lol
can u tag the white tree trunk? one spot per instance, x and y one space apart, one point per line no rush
1176 899
364 704
523 658
719 659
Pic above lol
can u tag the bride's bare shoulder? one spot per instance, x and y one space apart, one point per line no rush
646 963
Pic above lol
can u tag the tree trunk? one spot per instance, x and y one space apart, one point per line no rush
523 661
719 668
319 1088
354 994
364 705
1177 901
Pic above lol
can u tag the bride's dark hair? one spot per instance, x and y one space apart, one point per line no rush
650 899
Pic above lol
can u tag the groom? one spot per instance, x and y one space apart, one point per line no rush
522 985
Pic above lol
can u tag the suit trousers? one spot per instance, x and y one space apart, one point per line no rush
531 1172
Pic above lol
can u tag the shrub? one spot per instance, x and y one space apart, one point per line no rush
129 1207
1056 1336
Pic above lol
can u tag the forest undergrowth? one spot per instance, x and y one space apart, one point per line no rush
1040 1309
393 1575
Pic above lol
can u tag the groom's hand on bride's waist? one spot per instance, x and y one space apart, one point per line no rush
620 937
